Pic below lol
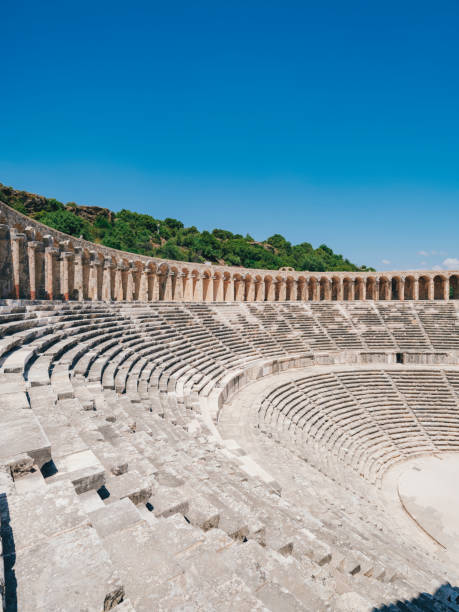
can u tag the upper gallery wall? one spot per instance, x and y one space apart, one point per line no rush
39 262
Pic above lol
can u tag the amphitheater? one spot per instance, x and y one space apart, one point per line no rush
179 436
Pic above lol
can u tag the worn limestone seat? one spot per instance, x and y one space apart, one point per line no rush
368 419
169 514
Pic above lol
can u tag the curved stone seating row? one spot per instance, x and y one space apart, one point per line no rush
288 327
108 397
367 419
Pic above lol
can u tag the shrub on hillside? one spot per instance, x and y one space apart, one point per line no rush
66 222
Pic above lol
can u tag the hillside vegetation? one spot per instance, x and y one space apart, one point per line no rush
168 238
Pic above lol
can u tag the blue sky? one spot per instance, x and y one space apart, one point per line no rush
328 122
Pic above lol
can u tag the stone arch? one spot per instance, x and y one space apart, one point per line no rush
336 288
410 282
454 287
196 285
278 281
290 288
138 267
302 289
83 262
424 282
439 282
150 270
270 290
121 280
217 286
175 283
187 284
396 288
228 287
249 288
314 288
360 288
371 287
348 289
324 288
207 286
239 287
384 288
163 275
96 275
286 269
19 227
39 265
108 278
259 293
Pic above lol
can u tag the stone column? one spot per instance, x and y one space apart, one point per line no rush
339 290
271 291
107 280
94 265
32 248
168 287
178 288
389 290
293 294
130 288
144 281
376 289
6 264
208 285
328 289
78 274
282 289
239 287
66 275
187 288
316 290
218 288
51 279
302 288
229 293
430 289
446 289
351 295
155 282
20 280
259 291
416 289
401 289
363 289
249 290
197 294
118 292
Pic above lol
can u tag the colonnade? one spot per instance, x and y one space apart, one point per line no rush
39 265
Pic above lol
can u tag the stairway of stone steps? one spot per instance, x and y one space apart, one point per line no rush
406 328
440 324
370 325
338 326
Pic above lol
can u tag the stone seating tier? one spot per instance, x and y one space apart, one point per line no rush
118 493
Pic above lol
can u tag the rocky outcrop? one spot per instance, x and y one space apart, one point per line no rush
31 204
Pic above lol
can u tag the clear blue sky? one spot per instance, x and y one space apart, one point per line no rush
331 121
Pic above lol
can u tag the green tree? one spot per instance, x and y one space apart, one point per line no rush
66 222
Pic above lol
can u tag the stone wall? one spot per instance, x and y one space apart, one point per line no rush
38 262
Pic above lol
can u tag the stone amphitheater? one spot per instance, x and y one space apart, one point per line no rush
188 437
